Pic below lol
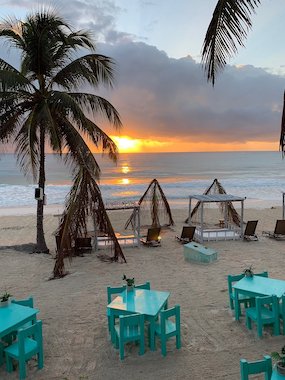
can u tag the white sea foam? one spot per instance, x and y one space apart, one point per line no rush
258 176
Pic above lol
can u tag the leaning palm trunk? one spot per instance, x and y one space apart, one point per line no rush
84 200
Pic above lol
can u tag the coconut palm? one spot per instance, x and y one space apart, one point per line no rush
41 104
227 30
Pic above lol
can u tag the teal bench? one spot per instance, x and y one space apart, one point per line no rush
197 252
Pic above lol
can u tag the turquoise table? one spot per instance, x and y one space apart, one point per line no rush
257 286
14 316
140 301
276 375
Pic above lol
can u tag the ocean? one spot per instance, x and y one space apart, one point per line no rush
259 176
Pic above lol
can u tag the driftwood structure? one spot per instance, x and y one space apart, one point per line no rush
225 207
154 208
84 200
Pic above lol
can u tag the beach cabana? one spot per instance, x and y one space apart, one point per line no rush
154 208
130 240
226 229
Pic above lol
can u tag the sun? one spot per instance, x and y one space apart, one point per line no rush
126 144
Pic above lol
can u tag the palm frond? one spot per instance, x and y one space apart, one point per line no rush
92 68
27 145
69 106
282 133
228 28
84 200
79 154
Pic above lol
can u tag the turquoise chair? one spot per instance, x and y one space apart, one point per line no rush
28 302
1 353
112 291
247 301
260 366
282 311
265 312
146 286
166 328
130 329
29 344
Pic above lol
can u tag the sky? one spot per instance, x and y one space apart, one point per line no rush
161 92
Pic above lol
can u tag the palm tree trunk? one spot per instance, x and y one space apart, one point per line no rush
41 246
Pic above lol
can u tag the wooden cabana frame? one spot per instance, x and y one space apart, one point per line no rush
224 233
100 242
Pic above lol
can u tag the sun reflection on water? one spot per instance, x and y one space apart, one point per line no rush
125 169
125 181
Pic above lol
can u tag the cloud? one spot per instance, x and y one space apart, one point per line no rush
161 98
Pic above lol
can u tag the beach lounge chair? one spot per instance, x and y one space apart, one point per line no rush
82 245
249 232
260 366
152 239
187 234
279 231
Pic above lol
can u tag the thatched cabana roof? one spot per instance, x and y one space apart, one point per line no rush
154 208
211 195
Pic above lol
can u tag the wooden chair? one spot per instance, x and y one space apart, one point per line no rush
279 230
130 329
260 366
265 312
68 250
166 328
246 300
249 232
187 234
152 239
113 291
29 344
82 245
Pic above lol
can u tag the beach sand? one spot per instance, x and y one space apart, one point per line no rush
73 309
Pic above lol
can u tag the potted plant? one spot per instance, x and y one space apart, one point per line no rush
5 299
248 272
280 360
130 283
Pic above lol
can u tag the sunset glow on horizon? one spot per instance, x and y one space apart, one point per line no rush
127 144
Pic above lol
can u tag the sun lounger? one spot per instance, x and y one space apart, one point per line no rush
152 239
279 231
249 232
187 234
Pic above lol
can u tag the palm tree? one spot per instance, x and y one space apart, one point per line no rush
227 30
40 104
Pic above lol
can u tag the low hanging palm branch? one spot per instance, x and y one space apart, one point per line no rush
217 188
84 201
41 104
153 202
228 28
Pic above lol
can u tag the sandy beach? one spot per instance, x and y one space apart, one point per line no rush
73 309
